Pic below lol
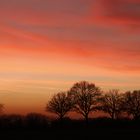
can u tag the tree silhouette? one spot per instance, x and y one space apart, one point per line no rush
1 108
60 104
111 103
132 103
85 96
36 120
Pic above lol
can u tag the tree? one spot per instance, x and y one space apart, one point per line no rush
132 103
111 103
85 96
60 104
1 108
36 120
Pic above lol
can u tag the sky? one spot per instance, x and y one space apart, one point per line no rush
48 45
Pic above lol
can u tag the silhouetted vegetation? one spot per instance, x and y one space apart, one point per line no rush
1 108
36 126
112 103
36 121
132 103
39 121
85 97
60 104
123 111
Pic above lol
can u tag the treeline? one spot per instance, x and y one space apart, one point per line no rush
36 121
30 121
84 98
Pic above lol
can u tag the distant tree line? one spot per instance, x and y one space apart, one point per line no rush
84 98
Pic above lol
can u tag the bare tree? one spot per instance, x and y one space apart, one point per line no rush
132 103
111 103
85 96
60 104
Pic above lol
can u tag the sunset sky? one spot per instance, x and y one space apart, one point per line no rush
48 45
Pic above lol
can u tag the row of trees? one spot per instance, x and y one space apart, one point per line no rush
85 98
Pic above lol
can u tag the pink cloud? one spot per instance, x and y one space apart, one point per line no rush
119 11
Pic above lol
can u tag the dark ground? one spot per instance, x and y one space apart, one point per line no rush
103 128
68 134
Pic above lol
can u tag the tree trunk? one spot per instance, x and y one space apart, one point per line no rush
61 119
86 119
113 116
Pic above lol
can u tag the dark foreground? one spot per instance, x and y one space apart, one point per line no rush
70 129
67 135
